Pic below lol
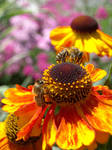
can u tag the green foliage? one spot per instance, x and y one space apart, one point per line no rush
108 81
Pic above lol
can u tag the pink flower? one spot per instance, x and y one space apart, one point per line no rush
59 6
15 67
42 57
42 61
43 42
101 13
66 20
28 70
42 65
23 27
24 22
36 75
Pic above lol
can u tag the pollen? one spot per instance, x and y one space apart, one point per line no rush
72 83
84 24
12 128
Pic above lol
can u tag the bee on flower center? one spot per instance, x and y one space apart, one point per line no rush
66 82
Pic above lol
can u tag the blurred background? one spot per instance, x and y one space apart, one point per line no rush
25 48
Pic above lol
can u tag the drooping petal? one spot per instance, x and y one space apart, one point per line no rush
103 94
49 129
26 108
78 42
95 73
29 122
2 131
107 40
59 33
10 108
98 114
26 130
67 41
67 136
73 131
18 96
87 41
62 37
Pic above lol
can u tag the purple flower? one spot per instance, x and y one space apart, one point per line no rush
42 65
23 27
14 68
42 57
101 13
42 61
36 75
28 70
25 22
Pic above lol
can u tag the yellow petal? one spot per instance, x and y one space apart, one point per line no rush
95 73
73 131
59 33
49 129
98 114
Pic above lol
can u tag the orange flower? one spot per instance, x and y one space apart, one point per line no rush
79 114
22 128
8 137
83 33
20 101
83 113
101 137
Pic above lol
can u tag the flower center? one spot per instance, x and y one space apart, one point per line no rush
12 129
84 24
66 83
67 73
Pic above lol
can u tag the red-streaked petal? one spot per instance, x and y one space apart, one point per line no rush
67 136
59 33
49 129
26 108
18 96
98 114
105 96
73 131
67 41
10 108
33 127
95 74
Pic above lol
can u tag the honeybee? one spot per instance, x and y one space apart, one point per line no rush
76 55
39 92
73 55
61 57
